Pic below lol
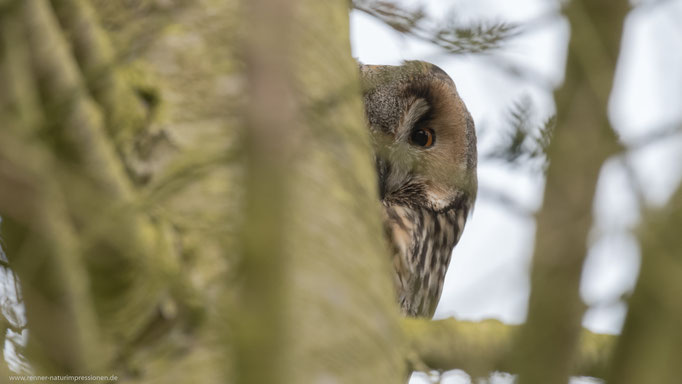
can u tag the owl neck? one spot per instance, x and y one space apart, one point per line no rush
422 240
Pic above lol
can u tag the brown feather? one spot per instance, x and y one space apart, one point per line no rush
427 193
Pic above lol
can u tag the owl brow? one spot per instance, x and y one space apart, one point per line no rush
422 89
416 112
424 120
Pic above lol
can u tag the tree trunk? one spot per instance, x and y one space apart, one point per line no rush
184 207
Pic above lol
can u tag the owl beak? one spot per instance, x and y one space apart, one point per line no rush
383 169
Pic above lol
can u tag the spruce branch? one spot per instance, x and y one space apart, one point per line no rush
451 36
524 141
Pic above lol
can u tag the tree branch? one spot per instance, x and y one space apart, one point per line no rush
124 114
582 141
482 347
74 171
268 146
454 39
650 348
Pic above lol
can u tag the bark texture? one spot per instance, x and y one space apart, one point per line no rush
188 192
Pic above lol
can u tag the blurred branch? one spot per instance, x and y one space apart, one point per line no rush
36 231
650 347
481 347
313 221
656 136
453 38
45 255
581 143
632 179
511 67
523 141
66 170
124 114
93 179
258 332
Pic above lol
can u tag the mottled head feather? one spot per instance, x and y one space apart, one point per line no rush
426 192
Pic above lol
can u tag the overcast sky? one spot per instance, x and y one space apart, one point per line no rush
488 275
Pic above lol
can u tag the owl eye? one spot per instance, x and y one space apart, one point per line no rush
422 137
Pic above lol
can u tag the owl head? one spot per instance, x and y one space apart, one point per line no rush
423 136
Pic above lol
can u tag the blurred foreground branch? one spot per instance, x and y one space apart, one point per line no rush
548 344
261 264
52 236
650 348
259 330
482 347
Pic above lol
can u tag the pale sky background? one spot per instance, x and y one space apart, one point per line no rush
488 275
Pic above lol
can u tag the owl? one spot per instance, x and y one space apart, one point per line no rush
425 152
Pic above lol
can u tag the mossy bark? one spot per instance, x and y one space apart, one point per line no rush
153 199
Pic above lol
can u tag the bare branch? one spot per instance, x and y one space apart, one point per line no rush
581 143
485 346
650 347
